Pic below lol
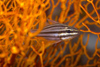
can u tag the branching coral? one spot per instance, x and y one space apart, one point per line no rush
19 46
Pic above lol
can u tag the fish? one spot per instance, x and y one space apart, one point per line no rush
58 32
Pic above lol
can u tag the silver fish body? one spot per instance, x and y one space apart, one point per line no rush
58 32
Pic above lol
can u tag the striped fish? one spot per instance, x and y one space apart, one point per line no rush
58 32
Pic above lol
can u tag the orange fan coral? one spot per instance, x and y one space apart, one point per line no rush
19 47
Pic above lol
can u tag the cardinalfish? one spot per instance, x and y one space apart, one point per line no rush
58 32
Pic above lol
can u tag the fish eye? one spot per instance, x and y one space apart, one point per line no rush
69 31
